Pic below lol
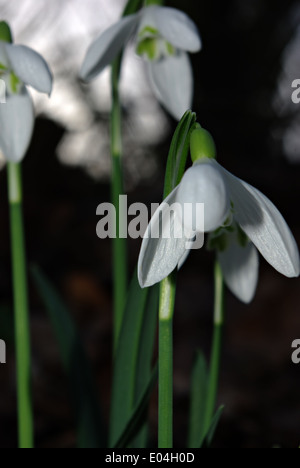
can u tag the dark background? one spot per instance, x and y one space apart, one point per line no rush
237 77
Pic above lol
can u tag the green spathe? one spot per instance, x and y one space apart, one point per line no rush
5 32
202 145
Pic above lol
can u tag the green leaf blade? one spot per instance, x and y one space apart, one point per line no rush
90 427
132 363
145 356
199 387
137 417
179 151
212 429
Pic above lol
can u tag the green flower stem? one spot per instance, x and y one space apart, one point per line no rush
119 244
22 332
165 406
216 347
132 6
153 2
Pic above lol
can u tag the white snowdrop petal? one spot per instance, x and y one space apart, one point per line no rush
265 226
148 21
3 54
178 29
172 82
204 183
105 49
240 267
160 256
30 67
16 125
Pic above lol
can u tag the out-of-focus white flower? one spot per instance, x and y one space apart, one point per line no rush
240 219
163 37
19 66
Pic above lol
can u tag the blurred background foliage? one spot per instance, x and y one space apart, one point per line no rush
243 76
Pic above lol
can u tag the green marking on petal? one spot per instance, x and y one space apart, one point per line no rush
148 48
3 67
228 223
148 31
242 238
5 32
170 49
218 241
14 83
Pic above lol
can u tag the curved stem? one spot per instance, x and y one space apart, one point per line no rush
165 409
119 243
216 347
22 332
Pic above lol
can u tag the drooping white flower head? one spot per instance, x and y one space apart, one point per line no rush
19 66
164 36
240 220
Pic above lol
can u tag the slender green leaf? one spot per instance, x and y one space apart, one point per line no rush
91 433
127 357
212 429
145 356
198 400
179 151
137 418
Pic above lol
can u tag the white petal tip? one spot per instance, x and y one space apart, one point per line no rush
104 50
293 273
240 267
172 82
140 279
161 251
178 29
30 67
16 123
245 299
84 74
265 226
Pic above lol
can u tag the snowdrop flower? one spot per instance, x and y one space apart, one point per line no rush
19 66
240 220
163 37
